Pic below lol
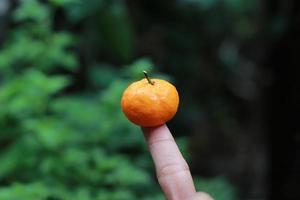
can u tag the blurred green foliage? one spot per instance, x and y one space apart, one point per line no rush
58 142
218 188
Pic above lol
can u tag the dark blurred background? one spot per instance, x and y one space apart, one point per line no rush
65 63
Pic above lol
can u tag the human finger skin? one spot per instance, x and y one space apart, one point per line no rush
172 170
200 196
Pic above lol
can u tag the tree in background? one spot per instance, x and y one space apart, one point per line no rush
63 67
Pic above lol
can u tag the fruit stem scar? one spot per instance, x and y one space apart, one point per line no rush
147 77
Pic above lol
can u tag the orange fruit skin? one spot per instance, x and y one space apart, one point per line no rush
150 105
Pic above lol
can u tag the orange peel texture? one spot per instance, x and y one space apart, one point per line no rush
150 105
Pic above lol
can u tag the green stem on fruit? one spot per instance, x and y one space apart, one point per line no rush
147 77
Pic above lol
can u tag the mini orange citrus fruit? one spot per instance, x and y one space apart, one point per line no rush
150 102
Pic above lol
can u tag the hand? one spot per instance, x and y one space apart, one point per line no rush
172 170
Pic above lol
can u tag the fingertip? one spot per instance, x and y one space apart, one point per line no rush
171 168
156 131
152 128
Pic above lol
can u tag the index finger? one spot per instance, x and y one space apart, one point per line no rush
172 170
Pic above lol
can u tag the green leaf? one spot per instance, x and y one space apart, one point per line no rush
33 10
50 132
135 70
17 157
128 175
218 187
35 191
29 94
